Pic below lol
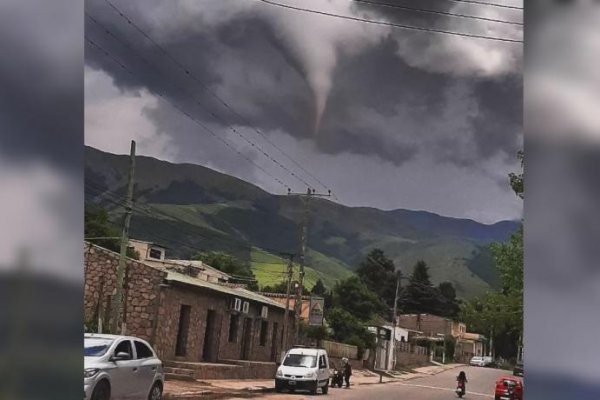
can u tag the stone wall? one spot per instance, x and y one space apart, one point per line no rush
201 301
142 290
409 355
147 302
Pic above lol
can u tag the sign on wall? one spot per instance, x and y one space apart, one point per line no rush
315 315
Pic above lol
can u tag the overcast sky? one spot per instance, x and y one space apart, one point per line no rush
384 117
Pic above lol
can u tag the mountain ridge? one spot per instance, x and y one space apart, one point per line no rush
194 207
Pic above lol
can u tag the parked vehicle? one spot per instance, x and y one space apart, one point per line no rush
508 388
303 369
120 367
518 370
476 361
460 389
479 361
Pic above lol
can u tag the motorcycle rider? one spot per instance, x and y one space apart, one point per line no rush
462 380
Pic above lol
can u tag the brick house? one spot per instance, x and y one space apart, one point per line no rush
184 316
433 326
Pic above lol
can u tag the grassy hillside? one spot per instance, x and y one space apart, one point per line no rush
190 208
270 269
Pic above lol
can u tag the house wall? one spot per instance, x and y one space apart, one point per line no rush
100 270
200 302
409 355
430 325
147 302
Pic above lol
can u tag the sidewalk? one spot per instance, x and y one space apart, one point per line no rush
176 390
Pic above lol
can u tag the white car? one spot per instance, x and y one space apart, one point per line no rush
121 367
303 369
478 361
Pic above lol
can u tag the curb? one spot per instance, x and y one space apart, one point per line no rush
215 394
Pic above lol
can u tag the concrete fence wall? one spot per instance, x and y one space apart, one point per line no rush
340 350
408 354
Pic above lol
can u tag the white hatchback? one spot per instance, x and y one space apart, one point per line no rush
121 367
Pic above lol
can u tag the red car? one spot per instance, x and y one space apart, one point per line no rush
508 388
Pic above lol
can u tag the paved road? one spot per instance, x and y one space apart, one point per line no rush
436 387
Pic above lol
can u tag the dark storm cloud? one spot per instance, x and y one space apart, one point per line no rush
376 79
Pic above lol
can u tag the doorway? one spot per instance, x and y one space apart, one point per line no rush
209 348
182 332
274 342
246 338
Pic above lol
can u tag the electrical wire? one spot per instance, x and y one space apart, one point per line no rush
188 73
447 13
391 24
164 97
483 3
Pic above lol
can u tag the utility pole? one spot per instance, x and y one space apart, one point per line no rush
303 245
290 272
118 299
398 277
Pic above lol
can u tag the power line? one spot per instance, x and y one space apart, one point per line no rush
483 3
392 24
252 144
211 92
193 119
448 13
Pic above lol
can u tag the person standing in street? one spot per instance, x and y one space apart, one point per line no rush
347 371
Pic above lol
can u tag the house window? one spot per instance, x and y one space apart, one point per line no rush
233 327
155 253
264 328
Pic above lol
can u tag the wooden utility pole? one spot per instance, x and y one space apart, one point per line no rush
118 299
395 316
303 246
290 272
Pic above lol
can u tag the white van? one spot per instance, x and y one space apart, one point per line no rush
303 369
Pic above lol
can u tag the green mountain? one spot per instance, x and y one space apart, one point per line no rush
189 208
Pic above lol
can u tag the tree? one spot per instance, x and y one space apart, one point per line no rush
353 296
378 273
97 225
420 296
230 265
349 329
501 312
319 288
449 306
281 287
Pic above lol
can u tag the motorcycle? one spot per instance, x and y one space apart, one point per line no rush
460 389
337 378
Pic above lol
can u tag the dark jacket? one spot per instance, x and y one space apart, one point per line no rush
347 369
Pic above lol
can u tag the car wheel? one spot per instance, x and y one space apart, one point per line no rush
155 392
325 389
101 391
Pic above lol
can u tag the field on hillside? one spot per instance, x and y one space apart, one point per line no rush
270 269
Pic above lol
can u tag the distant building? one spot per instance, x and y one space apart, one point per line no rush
154 254
434 328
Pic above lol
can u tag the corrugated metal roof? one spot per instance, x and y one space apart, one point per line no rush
238 292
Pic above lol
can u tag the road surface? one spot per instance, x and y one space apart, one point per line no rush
436 387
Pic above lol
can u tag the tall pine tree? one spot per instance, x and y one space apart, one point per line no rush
377 272
420 296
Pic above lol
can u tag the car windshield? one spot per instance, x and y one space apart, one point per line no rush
95 347
300 360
